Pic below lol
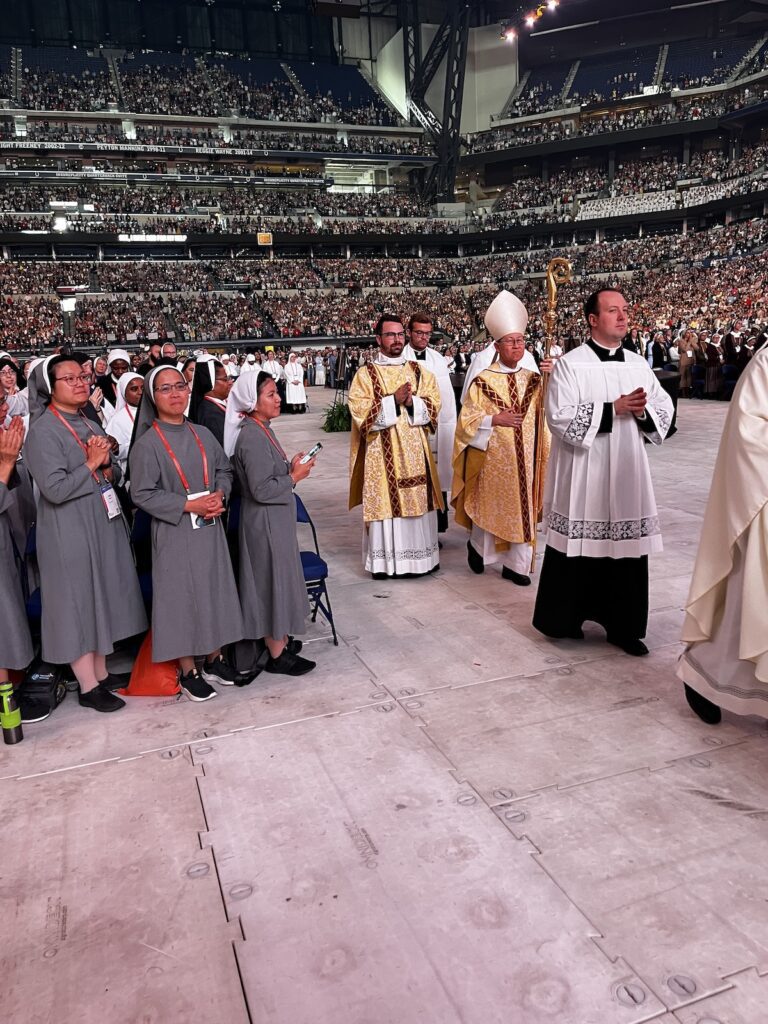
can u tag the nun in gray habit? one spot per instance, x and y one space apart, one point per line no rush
181 477
15 642
88 585
273 593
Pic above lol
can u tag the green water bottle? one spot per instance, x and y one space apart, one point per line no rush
10 715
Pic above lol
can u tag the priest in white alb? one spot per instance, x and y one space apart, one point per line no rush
420 327
725 664
600 517
395 403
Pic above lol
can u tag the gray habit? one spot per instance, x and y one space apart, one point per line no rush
272 588
88 586
195 607
15 642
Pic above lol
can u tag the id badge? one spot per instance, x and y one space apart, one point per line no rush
198 521
111 503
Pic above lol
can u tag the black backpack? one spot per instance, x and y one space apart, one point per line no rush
247 658
46 682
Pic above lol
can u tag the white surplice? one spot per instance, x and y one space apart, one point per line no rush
441 442
598 499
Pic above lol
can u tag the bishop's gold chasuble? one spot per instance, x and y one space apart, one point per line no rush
494 488
393 472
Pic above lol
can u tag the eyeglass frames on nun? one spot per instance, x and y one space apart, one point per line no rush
167 389
81 378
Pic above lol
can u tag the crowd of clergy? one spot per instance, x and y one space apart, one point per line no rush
560 441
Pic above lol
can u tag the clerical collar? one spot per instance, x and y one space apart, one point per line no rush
421 356
606 355
390 360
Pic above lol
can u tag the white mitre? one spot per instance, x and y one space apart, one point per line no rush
505 315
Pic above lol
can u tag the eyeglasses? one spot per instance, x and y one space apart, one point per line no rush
167 389
393 334
422 334
81 378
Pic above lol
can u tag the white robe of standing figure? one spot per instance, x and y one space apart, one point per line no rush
295 392
441 443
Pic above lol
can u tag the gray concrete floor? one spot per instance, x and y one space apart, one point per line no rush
450 820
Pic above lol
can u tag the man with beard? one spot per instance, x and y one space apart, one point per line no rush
395 405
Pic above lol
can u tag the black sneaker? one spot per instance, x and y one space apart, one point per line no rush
33 710
293 646
634 647
100 699
289 664
115 682
218 671
195 687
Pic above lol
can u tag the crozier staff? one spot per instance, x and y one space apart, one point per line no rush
181 477
88 586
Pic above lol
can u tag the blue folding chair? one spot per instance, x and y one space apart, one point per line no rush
315 572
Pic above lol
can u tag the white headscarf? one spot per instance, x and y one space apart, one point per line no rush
242 400
118 353
147 413
39 388
122 384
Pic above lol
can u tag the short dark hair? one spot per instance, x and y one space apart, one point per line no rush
386 318
420 318
592 305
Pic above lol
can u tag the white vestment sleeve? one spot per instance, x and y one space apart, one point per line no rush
573 422
482 438
659 408
418 414
387 414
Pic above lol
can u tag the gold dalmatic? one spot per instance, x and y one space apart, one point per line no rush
393 472
494 488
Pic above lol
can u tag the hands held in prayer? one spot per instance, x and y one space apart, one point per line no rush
97 398
209 506
404 395
507 419
547 365
98 451
633 403
298 471
11 441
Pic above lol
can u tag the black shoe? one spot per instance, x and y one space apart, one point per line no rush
33 710
380 576
100 699
439 545
115 682
289 665
293 646
195 687
515 577
474 560
705 709
218 671
634 647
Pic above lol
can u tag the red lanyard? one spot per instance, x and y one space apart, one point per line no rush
61 419
217 402
177 464
272 440
129 412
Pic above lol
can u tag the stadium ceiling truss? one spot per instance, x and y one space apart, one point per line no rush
450 44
